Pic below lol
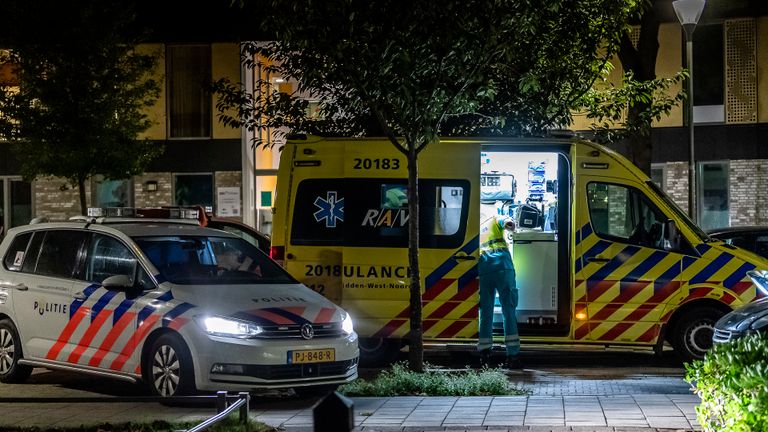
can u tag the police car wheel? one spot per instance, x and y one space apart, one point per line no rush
10 353
168 367
693 332
375 352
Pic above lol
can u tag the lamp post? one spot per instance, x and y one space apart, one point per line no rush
688 13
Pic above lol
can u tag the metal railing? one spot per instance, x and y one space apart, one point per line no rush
243 400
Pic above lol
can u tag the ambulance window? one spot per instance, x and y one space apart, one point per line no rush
59 253
624 214
16 252
374 212
108 257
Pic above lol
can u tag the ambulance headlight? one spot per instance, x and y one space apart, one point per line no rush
346 324
219 326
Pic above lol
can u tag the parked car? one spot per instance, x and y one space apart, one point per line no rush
748 319
173 304
751 238
247 233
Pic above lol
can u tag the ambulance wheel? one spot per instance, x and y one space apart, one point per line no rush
693 332
168 367
376 352
10 354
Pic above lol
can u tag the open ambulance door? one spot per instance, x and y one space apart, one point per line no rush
531 185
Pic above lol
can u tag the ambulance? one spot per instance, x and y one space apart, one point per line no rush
603 257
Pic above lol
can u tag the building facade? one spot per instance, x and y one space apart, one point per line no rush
209 164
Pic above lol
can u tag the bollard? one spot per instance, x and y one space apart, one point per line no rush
221 401
244 408
334 413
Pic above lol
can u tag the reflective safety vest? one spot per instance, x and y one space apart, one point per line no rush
492 237
494 252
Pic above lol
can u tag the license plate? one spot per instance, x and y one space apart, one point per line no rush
312 356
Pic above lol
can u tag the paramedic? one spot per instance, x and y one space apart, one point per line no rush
497 274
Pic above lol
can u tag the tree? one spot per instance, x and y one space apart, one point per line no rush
408 67
82 89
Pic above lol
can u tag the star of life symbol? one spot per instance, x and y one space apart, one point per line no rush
331 209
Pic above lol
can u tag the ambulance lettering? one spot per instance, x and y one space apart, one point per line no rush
390 218
356 271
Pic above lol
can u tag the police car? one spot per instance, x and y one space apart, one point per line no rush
169 303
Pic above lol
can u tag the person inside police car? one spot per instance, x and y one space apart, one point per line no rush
497 275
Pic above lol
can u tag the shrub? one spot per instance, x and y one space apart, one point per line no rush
732 382
400 381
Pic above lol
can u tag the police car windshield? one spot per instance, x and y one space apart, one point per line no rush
199 260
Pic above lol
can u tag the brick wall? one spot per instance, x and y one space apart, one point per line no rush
57 204
677 183
748 190
56 199
163 196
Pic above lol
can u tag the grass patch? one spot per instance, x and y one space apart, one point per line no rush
230 424
401 381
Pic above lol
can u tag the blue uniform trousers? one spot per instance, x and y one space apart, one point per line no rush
503 282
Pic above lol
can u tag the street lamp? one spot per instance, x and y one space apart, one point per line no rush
688 13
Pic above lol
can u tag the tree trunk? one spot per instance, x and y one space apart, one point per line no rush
81 190
641 60
416 346
640 145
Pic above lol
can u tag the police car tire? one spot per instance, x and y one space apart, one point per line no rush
376 352
693 332
10 354
167 350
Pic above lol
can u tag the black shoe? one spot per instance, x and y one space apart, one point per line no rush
485 357
513 362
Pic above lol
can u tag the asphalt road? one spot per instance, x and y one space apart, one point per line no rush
546 372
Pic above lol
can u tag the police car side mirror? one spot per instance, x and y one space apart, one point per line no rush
117 282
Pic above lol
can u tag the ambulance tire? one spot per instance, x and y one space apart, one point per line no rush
377 352
168 367
10 354
693 332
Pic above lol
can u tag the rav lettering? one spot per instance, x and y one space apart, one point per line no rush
390 218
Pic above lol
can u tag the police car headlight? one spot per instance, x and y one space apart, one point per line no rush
218 326
346 324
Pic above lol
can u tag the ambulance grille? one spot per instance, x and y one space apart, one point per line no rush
331 330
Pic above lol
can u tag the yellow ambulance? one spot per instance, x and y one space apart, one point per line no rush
602 255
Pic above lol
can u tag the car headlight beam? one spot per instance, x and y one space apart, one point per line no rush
220 326
346 325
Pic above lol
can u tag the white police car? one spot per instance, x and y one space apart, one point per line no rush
175 305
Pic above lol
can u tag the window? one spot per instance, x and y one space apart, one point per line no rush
112 193
189 101
15 256
713 194
708 74
108 257
659 175
193 189
374 212
59 253
625 214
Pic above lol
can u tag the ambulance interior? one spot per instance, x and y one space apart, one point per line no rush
525 187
